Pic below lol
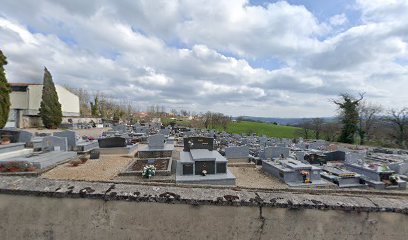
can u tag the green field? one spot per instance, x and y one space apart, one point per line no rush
267 129
247 127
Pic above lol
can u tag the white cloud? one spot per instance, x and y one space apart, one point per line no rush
338 20
198 54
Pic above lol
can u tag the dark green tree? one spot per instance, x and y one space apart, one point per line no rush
50 108
4 92
348 106
95 107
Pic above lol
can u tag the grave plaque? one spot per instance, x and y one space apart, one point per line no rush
198 143
209 166
188 169
221 168
94 154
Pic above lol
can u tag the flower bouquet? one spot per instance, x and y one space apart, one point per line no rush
149 171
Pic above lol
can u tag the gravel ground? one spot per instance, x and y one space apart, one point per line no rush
104 169
255 178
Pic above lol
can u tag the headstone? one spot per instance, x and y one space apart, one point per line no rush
71 138
276 152
237 152
111 142
156 141
262 141
198 143
52 143
120 128
165 131
94 154
16 135
300 155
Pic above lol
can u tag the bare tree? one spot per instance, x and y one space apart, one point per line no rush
399 121
331 131
316 125
368 117
306 129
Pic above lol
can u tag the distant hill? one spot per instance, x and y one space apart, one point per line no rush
283 121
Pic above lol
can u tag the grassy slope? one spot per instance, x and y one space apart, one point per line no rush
246 127
260 129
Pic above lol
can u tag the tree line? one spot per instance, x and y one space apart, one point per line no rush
360 122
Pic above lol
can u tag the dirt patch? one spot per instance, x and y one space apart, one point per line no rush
160 164
104 169
255 178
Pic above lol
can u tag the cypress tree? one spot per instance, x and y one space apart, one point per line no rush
4 92
50 109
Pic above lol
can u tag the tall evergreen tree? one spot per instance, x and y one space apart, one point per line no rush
95 107
4 92
349 117
50 109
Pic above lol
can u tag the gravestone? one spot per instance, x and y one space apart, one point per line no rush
165 131
120 128
237 152
141 129
300 155
276 152
112 142
156 141
262 141
335 156
16 135
94 154
71 138
52 143
198 143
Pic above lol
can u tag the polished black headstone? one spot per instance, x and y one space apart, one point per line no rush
112 142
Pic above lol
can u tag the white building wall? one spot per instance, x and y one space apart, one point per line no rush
31 100
19 100
68 100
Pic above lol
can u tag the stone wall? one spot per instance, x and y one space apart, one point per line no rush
36 208
34 217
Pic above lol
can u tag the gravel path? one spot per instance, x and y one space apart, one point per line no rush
104 169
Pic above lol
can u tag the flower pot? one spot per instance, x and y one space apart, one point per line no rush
5 142
83 159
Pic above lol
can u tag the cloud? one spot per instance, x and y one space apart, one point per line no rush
338 20
203 55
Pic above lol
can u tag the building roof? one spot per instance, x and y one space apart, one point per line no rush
23 84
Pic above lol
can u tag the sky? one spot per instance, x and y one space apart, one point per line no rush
238 57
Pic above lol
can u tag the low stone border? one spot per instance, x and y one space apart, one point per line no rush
200 196
127 172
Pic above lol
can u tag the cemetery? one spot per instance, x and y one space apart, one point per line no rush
223 119
202 157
